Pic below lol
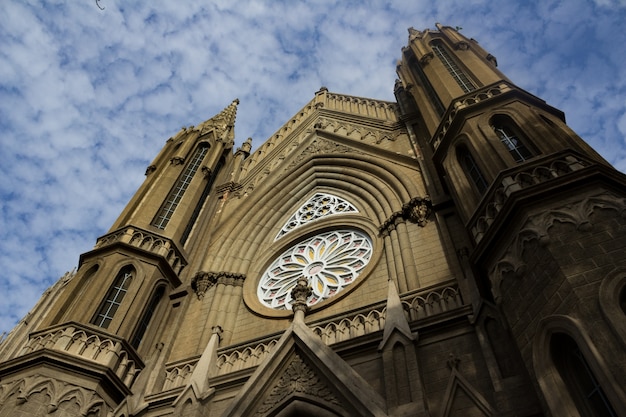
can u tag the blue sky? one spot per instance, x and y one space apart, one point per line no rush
89 96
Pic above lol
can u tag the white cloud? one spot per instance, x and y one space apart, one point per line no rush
90 96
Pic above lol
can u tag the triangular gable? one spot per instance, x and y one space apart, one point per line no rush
303 368
457 385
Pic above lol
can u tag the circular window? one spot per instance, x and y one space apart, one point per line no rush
330 261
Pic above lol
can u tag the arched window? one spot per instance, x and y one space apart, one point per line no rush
453 68
147 316
176 194
114 298
509 136
578 377
471 169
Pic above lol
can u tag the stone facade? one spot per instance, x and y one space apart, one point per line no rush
459 252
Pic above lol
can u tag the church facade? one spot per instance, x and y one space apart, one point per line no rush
459 252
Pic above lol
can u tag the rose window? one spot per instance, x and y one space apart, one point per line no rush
330 261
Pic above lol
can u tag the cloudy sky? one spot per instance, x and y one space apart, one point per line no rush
89 96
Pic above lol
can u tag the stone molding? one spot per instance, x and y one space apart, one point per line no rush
59 392
202 281
537 228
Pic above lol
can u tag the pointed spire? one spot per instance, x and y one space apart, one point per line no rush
224 121
395 318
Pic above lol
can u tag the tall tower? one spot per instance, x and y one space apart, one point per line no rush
459 252
544 213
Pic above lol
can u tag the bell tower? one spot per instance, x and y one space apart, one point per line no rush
539 206
103 322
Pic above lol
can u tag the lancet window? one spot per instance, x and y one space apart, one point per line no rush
507 133
453 68
114 298
147 316
176 194
471 169
577 375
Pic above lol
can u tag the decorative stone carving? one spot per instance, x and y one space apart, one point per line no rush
177 160
321 146
206 172
424 60
298 378
416 210
414 34
462 46
492 59
299 294
60 394
202 281
150 169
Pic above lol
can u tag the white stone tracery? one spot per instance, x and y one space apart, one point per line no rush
318 206
330 261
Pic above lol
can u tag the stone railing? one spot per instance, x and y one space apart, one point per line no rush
530 174
417 306
472 99
148 241
376 109
87 343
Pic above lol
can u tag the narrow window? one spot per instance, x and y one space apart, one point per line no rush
113 299
205 194
453 68
512 142
471 170
176 194
147 316
580 381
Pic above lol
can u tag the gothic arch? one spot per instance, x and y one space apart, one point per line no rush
364 179
612 297
552 385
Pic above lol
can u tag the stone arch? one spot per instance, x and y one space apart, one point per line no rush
551 383
612 297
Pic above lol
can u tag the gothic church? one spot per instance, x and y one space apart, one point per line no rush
459 252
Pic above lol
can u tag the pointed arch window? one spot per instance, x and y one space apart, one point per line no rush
318 206
510 137
471 169
176 194
578 377
114 298
453 68
147 317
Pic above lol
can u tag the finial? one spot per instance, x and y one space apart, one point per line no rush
300 293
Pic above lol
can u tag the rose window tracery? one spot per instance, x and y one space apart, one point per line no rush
330 261
320 205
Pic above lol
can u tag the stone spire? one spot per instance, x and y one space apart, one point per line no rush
224 122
